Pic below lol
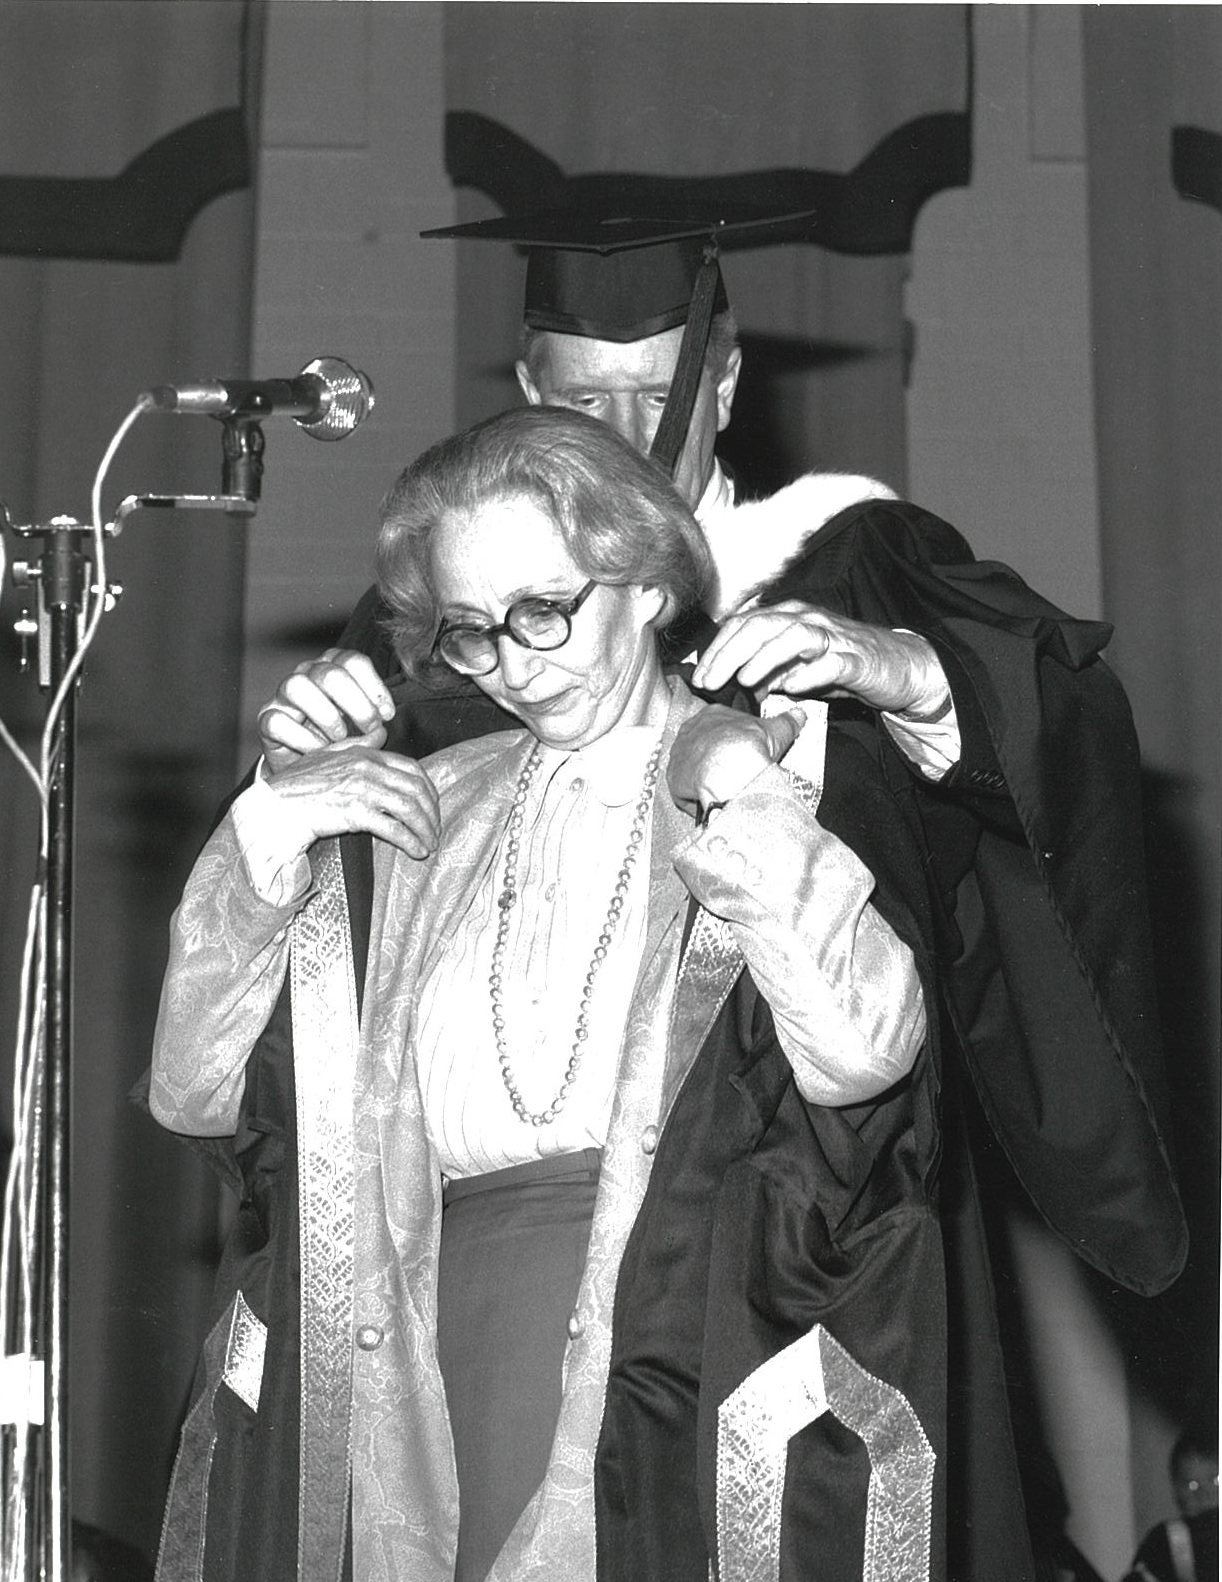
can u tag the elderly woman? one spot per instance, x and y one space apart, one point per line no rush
607 1145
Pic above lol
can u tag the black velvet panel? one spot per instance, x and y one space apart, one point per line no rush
142 215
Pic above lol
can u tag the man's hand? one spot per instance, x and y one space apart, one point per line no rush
350 785
719 751
802 651
325 700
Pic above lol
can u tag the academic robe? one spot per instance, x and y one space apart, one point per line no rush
759 1371
1033 853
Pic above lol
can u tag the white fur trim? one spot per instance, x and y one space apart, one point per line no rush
751 543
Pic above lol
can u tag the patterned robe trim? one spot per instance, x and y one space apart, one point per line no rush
244 1357
233 1355
324 1041
806 760
755 1424
711 964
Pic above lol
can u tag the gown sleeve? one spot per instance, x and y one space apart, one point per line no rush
229 953
842 987
1034 846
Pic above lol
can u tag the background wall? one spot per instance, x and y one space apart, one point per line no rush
83 91
1002 443
1065 411
350 171
1000 398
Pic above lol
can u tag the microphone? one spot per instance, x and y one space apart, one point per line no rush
328 398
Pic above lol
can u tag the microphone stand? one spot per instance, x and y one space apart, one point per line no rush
58 580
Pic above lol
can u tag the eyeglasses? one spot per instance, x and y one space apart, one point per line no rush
532 622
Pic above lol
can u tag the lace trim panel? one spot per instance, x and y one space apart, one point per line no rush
755 1424
324 1045
244 1353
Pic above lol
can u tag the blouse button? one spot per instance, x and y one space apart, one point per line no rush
649 1139
550 893
369 1337
577 1326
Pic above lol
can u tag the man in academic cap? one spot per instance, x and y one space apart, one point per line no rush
1006 740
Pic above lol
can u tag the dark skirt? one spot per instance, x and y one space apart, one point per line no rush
513 1247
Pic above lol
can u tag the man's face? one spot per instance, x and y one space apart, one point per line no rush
626 385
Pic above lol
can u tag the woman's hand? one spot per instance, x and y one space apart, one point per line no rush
337 697
351 785
719 751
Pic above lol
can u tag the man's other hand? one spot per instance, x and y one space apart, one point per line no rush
802 651
325 700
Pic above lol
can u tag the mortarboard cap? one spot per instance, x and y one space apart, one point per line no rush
620 296
622 272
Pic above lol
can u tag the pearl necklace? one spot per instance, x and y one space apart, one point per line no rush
508 899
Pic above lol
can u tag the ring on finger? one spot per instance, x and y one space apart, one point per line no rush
287 709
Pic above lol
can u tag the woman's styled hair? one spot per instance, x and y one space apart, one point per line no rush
617 513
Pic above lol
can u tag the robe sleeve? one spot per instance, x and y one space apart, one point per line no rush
229 953
1051 978
842 987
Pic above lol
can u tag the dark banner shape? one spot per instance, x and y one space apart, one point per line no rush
1196 164
870 210
142 215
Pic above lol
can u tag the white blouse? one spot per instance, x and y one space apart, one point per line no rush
578 816
841 986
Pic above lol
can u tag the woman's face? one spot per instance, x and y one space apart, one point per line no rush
606 674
